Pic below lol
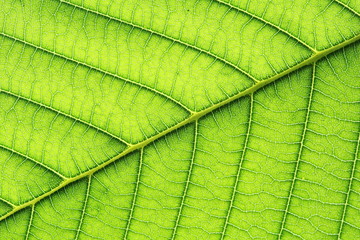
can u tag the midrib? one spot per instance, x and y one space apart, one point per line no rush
193 117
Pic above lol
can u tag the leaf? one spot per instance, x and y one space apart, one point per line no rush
173 119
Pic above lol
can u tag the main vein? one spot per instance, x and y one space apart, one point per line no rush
193 117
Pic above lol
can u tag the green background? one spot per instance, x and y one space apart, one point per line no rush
168 119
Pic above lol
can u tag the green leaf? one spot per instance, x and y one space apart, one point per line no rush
168 119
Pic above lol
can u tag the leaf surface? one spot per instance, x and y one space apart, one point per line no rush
175 119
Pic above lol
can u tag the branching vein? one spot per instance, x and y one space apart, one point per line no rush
193 117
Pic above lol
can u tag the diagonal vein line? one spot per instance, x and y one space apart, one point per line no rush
84 208
64 114
192 118
216 57
299 154
30 222
7 202
346 7
349 187
268 23
32 160
97 69
239 168
131 215
187 181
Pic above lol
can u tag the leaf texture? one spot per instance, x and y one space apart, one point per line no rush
198 119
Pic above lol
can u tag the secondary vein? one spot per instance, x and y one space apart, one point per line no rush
352 176
298 160
216 57
97 69
268 23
